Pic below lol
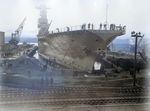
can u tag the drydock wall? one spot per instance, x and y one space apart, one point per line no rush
2 40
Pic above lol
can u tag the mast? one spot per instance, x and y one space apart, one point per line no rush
106 23
106 12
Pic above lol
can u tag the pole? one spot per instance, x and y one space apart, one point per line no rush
135 61
136 35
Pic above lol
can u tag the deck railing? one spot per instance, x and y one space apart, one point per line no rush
84 27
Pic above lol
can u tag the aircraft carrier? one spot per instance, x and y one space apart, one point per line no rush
75 47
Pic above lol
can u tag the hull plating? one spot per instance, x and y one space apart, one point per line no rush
77 49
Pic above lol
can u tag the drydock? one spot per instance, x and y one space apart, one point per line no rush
27 85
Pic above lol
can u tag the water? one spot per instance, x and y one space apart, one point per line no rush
36 54
36 44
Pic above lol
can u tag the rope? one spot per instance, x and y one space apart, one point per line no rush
67 50
63 44
55 48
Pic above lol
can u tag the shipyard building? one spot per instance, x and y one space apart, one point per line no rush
2 40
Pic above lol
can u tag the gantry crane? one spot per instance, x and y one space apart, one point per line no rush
15 37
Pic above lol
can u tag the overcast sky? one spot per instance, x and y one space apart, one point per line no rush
135 14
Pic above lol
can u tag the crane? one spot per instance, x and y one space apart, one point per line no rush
15 37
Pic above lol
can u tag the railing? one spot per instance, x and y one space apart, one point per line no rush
84 27
66 29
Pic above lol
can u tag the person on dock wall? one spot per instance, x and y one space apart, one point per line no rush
33 81
138 69
106 76
51 81
40 66
46 82
45 67
27 61
42 81
131 72
29 74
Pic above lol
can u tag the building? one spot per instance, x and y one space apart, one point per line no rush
2 40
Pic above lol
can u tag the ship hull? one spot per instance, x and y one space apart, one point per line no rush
77 50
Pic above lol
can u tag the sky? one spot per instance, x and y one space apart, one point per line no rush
135 14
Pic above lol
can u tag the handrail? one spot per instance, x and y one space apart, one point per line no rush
88 27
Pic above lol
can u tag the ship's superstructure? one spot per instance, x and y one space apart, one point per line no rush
43 21
75 47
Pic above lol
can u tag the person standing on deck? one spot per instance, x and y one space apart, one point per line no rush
101 26
89 26
92 26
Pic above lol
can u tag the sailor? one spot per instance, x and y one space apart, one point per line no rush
105 26
124 27
120 27
84 26
111 26
89 26
92 26
101 26
114 27
57 29
67 28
